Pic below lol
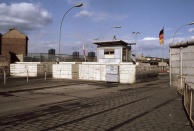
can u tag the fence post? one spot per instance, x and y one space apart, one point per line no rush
45 72
4 77
191 103
185 94
45 75
27 75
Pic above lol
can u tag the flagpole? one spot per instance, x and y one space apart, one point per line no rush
161 38
84 52
163 56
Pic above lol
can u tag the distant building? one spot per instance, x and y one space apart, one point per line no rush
0 42
113 51
153 60
91 54
13 43
51 51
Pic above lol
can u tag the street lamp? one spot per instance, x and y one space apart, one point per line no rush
136 33
78 5
109 30
179 29
117 27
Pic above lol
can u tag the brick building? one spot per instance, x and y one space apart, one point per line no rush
0 42
13 42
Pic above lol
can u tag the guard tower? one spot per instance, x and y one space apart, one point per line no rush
115 51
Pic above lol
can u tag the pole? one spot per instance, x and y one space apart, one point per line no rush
4 76
191 103
181 66
163 56
136 33
111 29
45 72
27 74
61 28
45 75
170 63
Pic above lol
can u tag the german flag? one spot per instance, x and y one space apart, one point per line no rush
161 36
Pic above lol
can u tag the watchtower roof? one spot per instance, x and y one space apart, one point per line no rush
111 43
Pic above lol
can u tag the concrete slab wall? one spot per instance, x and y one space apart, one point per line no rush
112 72
175 65
26 69
92 71
182 64
188 63
127 72
65 70
32 69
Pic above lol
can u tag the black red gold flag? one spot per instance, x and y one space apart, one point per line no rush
161 36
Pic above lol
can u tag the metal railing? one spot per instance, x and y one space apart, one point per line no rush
44 57
186 90
188 101
3 74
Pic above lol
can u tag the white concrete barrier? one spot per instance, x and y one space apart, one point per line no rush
26 69
127 73
110 72
92 71
30 69
66 70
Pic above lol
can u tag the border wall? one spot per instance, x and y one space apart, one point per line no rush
182 63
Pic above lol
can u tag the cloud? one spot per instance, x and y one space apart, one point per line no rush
192 37
84 13
149 38
24 16
191 30
100 16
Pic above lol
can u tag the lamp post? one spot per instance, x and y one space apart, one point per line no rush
109 30
179 29
136 33
78 5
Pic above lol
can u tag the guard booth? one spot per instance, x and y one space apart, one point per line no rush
116 51
112 53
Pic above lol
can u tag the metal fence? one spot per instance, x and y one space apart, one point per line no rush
3 73
186 90
188 101
45 57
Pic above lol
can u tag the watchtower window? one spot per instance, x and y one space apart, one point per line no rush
109 52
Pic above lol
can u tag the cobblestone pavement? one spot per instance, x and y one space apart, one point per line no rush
151 106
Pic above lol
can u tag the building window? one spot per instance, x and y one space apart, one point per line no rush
109 52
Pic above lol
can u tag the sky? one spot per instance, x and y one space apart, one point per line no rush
96 19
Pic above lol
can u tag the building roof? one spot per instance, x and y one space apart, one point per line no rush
182 44
109 43
14 33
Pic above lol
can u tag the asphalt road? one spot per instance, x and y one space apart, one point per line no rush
80 105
